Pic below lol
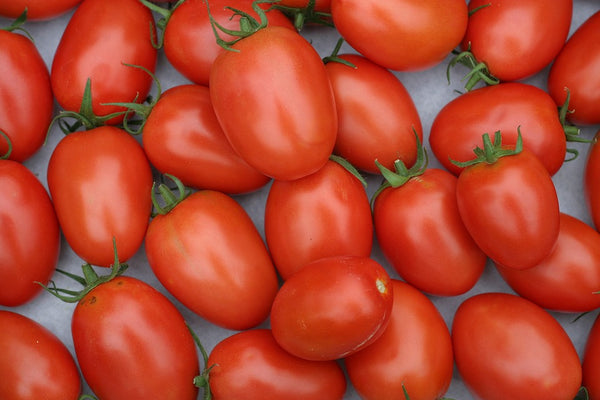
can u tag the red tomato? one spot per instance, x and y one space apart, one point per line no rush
251 365
30 234
421 234
207 252
504 33
132 343
275 121
567 279
591 361
182 137
381 122
332 307
100 181
36 9
311 218
592 181
506 347
95 45
458 126
414 352
412 36
576 69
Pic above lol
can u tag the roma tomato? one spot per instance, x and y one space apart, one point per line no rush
321 215
591 182
414 352
30 234
381 122
280 125
251 365
591 361
182 137
412 36
34 363
207 252
332 307
506 347
101 182
37 9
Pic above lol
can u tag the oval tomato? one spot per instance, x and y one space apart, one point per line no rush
251 365
591 183
506 347
34 363
30 234
100 182
37 9
414 352
311 218
591 361
332 307
412 36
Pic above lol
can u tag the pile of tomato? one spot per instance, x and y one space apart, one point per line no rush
344 199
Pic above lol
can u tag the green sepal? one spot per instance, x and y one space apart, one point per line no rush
202 381
478 71
301 16
165 15
333 57
169 199
347 165
491 152
583 394
10 146
17 25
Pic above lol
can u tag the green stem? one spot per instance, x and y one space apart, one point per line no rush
169 199
161 24
349 167
17 25
333 57
9 144
303 15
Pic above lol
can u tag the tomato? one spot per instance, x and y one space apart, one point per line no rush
100 182
96 44
207 252
37 9
414 352
458 126
378 124
506 347
504 33
575 68
591 361
30 234
567 279
591 181
251 365
34 363
182 137
332 307
401 35
281 126
311 218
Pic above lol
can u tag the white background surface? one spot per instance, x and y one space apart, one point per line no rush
430 92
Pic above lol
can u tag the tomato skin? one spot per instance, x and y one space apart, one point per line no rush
369 129
421 234
182 137
26 99
132 343
209 255
332 307
34 364
250 365
506 107
591 179
507 31
591 361
575 68
100 182
30 246
412 36
37 9
415 350
278 124
309 218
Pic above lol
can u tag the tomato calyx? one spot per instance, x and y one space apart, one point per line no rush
165 15
9 144
571 131
491 152
202 381
169 199
17 25
478 71
305 15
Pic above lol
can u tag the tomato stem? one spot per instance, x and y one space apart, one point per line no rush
334 55
491 152
478 71
17 25
161 24
9 143
303 15
349 167
169 198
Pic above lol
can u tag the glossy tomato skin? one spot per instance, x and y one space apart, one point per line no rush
591 181
209 255
507 107
412 36
37 9
100 182
182 137
332 307
575 68
30 234
132 343
421 234
506 347
251 365
591 361
414 351
510 208
380 123
26 99
312 217
505 32
275 121
567 279
96 43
